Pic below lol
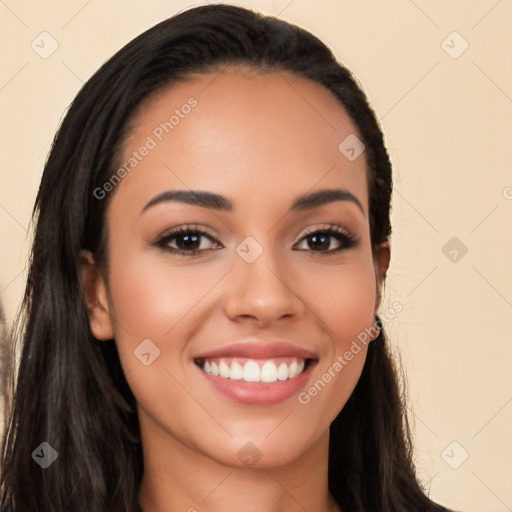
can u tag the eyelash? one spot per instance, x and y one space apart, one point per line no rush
346 239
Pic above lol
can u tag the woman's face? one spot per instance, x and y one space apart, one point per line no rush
264 284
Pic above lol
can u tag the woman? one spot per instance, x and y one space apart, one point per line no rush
211 245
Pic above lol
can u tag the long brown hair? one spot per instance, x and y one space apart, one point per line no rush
71 391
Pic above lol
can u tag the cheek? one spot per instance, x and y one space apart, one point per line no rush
153 302
344 299
152 298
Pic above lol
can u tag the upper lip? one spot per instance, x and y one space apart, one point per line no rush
252 349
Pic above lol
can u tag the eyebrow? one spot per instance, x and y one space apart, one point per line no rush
221 203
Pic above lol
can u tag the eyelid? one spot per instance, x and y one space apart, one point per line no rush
187 228
334 227
171 233
347 239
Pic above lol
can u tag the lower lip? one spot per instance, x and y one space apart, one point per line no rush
259 393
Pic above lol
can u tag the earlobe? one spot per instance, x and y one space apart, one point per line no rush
382 260
382 256
94 292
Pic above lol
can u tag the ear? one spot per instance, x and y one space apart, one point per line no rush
94 291
381 258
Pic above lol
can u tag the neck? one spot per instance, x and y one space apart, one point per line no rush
177 477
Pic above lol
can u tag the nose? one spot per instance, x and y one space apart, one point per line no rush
260 292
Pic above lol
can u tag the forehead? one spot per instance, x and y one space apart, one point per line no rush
242 133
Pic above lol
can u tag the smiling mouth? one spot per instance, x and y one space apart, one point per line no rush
254 370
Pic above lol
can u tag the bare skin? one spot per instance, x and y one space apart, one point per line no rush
261 141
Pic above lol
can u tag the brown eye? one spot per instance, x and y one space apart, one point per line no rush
187 241
320 241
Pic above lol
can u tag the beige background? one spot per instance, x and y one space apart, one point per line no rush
447 123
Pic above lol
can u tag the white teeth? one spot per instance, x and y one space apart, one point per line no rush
292 370
224 370
282 371
251 371
269 372
236 372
